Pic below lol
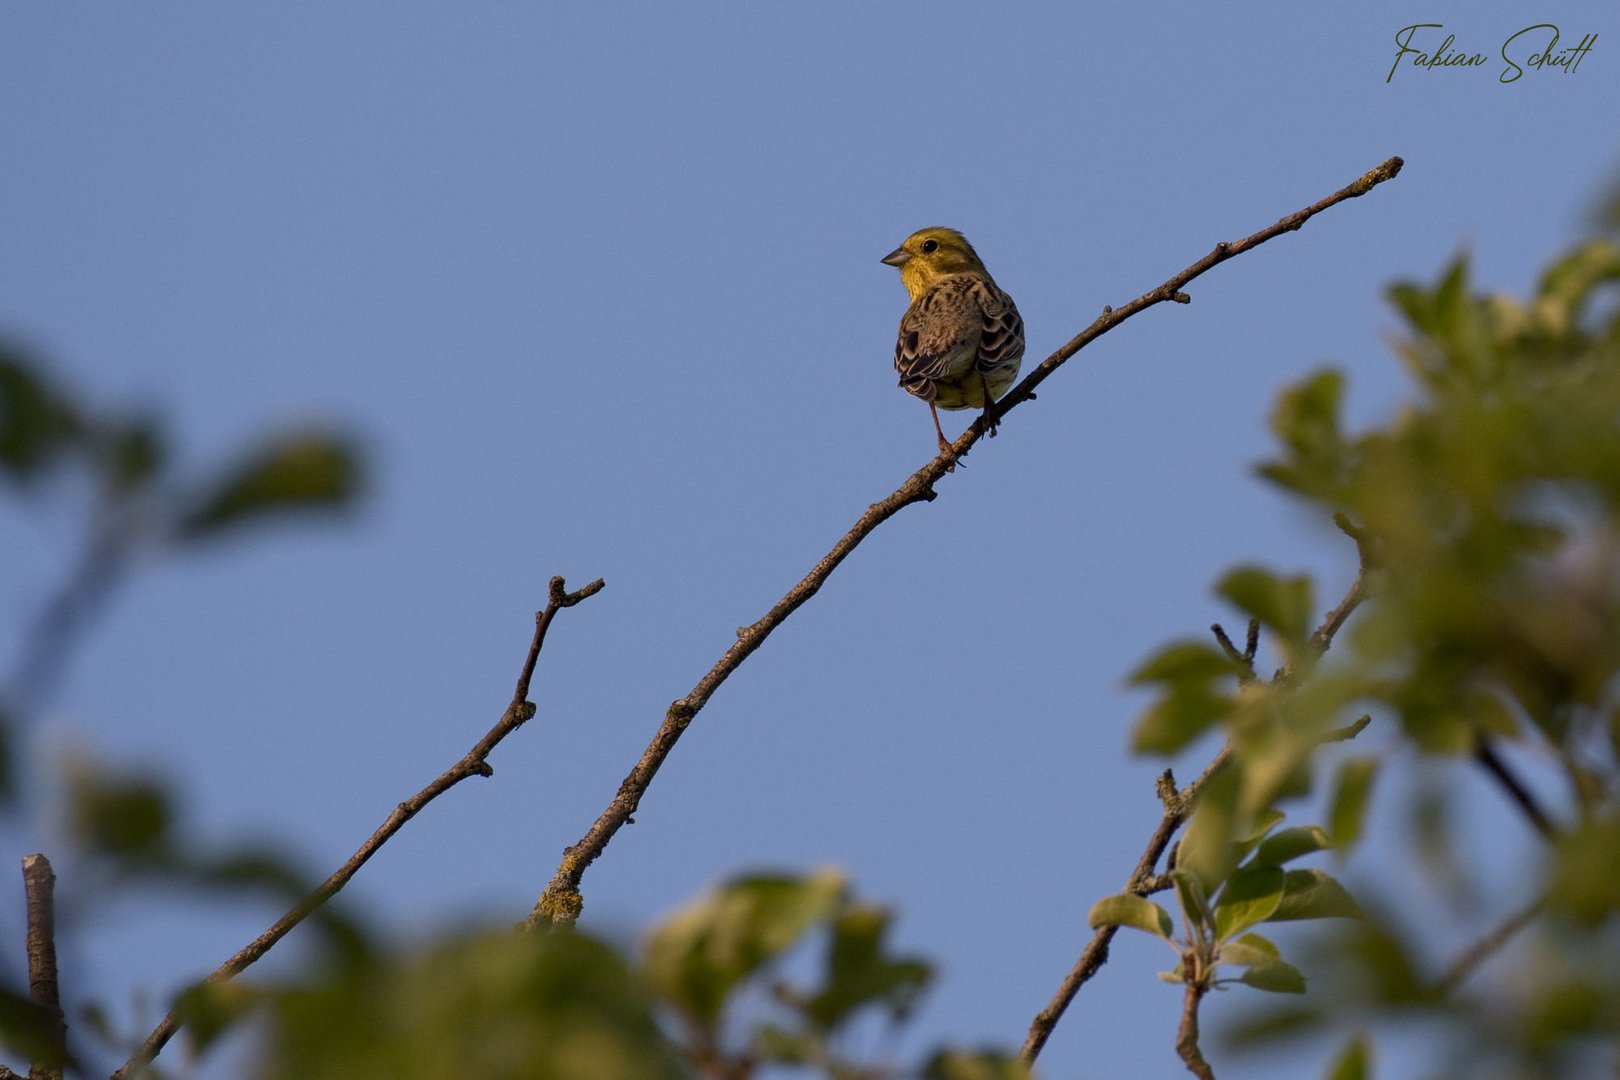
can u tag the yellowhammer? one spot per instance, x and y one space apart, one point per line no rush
962 338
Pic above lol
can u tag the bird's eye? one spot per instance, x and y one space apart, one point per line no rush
930 246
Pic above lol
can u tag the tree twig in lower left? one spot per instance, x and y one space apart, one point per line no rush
473 763
39 885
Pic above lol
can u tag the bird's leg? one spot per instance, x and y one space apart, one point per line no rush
991 421
945 449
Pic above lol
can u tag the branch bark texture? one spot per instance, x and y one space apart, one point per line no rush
39 889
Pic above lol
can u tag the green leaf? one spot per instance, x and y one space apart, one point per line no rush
1194 698
209 1010
783 1047
1291 844
698 955
1352 788
129 453
975 1065
124 816
36 421
1248 950
1284 604
1207 850
1177 719
1258 943
1240 955
1306 420
1266 1029
860 972
1126 909
1250 897
1183 663
310 471
1353 1061
1566 285
1585 875
1313 894
1276 976
1415 302
1192 896
31 1030
1259 828
1451 302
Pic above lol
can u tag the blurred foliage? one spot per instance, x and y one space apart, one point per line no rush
140 502
706 998
53 438
1486 516
44 426
498 1004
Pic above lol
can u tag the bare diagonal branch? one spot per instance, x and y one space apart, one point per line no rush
473 763
561 901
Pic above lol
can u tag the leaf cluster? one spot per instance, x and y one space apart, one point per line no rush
1486 518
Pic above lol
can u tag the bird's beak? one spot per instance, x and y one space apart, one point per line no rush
897 257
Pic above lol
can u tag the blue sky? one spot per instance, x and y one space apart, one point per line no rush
598 288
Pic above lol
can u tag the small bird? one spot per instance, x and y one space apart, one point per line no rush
962 338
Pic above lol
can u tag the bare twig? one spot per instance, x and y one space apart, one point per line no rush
39 885
473 763
1243 661
561 901
1487 756
1486 947
1187 1035
1144 880
1360 589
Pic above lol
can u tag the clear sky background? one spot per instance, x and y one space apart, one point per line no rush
598 288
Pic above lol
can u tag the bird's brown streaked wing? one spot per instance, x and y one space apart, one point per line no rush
1001 337
936 330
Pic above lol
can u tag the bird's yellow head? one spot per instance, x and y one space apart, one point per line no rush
930 254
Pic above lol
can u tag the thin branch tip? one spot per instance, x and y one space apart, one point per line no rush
1243 661
589 590
1164 786
1389 170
